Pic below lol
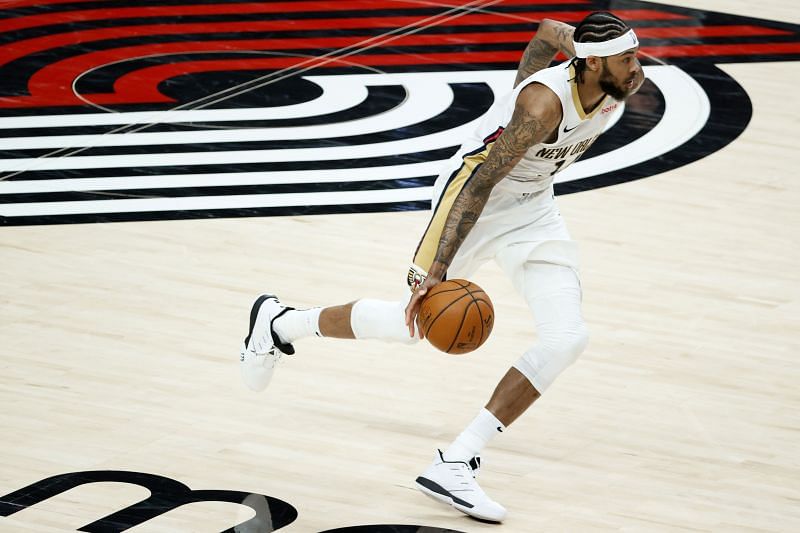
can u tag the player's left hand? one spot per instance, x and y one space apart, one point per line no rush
412 309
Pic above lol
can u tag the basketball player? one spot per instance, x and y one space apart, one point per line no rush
494 200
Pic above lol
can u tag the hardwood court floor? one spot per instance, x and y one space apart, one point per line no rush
119 352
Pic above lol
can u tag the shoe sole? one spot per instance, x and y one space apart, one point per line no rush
436 492
439 493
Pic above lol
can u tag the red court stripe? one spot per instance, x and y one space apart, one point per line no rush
625 14
204 9
333 42
477 19
698 50
676 32
25 47
13 4
454 3
139 86
19 49
63 73
15 50
56 77
31 21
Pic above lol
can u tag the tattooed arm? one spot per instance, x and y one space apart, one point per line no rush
551 37
537 113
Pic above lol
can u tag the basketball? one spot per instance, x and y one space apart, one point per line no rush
456 316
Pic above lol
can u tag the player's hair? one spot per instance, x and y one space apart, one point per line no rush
597 27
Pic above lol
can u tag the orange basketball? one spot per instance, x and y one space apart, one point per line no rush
456 316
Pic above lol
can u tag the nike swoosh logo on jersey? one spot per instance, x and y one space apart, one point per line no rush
567 130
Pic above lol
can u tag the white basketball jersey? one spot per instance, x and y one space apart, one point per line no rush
576 132
504 217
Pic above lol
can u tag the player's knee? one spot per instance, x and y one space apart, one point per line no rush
571 342
554 353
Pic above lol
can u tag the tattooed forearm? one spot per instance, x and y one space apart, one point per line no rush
537 56
523 131
551 38
564 34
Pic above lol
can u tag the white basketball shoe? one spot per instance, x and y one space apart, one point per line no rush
453 483
262 349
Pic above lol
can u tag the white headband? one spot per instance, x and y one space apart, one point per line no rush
626 41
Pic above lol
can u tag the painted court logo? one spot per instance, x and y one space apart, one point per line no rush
123 110
259 513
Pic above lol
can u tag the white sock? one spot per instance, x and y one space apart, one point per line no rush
475 437
297 323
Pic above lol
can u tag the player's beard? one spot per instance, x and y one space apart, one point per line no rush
608 84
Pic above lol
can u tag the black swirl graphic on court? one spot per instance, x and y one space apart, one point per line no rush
117 111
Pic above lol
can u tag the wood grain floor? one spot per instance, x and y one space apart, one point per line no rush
119 352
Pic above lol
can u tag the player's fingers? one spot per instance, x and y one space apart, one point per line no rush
413 303
412 309
409 314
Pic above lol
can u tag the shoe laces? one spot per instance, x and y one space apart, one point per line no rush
264 344
274 355
270 354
